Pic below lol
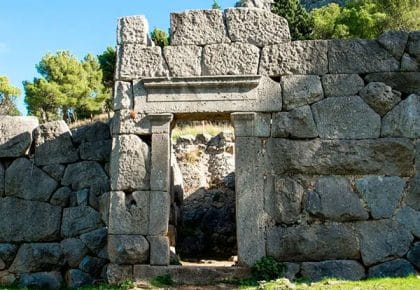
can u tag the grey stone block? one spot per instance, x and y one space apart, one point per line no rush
405 82
61 197
297 123
414 255
117 274
334 199
413 191
230 59
8 253
298 57
136 61
341 85
339 269
413 45
28 221
76 278
380 97
53 144
38 258
251 124
159 250
130 164
346 118
198 27
159 213
129 213
133 29
2 173
256 26
127 122
313 243
92 265
183 61
292 270
79 220
95 240
16 137
410 219
96 151
128 249
41 280
359 56
123 96
394 41
300 90
97 131
56 171
383 240
7 278
381 193
395 268
73 251
409 64
160 159
404 119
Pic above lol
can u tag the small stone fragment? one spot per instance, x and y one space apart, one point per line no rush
76 278
128 249
73 250
297 123
300 90
380 97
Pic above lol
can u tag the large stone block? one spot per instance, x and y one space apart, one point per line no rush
359 56
133 29
313 243
339 269
256 26
183 61
341 85
334 199
413 191
130 164
28 221
136 61
75 278
230 59
95 240
380 97
117 274
414 255
413 45
79 220
97 131
409 63
129 213
128 249
56 171
381 193
92 265
123 96
410 219
405 82
394 41
160 206
251 124
380 157
383 240
298 57
25 180
2 177
300 90
38 258
346 118
394 268
159 250
404 119
41 280
73 251
198 27
297 123
96 151
16 135
53 144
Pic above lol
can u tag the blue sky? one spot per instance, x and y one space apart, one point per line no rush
29 29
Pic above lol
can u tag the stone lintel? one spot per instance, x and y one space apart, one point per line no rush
251 124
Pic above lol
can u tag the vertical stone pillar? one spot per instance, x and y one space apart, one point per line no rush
251 165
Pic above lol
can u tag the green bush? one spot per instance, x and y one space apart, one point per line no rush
268 269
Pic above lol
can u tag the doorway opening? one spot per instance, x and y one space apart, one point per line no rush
202 226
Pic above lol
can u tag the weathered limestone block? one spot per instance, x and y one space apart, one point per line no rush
160 206
76 278
341 85
359 56
128 249
346 118
28 221
133 29
404 119
339 269
53 144
394 41
123 96
159 250
73 251
297 123
251 124
95 240
2 185
8 253
86 174
41 280
198 27
383 240
334 199
25 180
124 122
79 220
313 243
92 265
298 57
136 61
414 255
130 164
323 157
381 193
256 26
183 61
16 135
284 203
413 45
160 159
260 4
380 97
96 151
409 64
300 90
129 213
56 171
410 219
413 191
38 258
119 273
405 82
230 59
394 268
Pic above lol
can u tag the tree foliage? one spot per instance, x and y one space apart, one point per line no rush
107 62
68 88
160 37
215 5
8 95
